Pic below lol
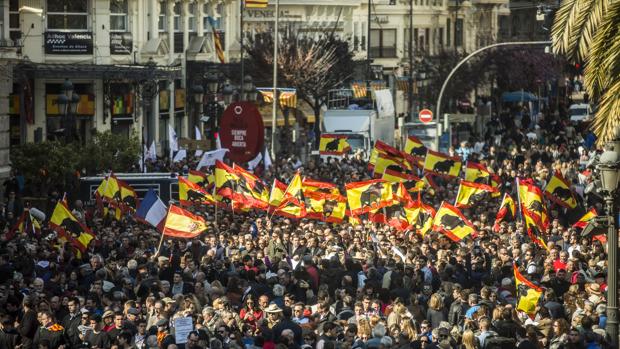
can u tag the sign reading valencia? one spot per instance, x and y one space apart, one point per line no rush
60 43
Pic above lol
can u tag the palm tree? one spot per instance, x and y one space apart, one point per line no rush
589 31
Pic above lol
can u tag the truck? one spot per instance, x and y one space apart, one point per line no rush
362 127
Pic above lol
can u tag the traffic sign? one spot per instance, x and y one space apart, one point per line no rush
425 116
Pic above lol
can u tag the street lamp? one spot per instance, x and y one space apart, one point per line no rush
228 91
609 169
249 90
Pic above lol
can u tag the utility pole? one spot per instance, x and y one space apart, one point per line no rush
275 82
368 75
410 89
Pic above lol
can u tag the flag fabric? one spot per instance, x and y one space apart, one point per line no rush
532 204
219 48
332 144
420 217
559 191
198 137
70 228
477 173
252 164
368 195
471 193
256 3
496 182
585 219
225 180
276 195
209 158
112 190
173 143
334 209
151 154
198 177
451 222
533 229
268 162
528 294
253 189
192 194
129 197
26 224
442 164
395 167
415 147
291 207
507 211
314 186
314 202
392 175
183 224
180 155
295 188
152 210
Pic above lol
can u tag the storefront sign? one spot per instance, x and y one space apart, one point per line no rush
121 43
69 43
242 131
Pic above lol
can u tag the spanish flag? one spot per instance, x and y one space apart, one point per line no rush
372 159
192 194
198 177
394 216
291 208
420 217
532 204
314 186
276 195
219 48
451 222
585 219
410 182
368 195
333 144
112 190
496 182
69 228
183 224
507 211
477 173
471 193
129 197
335 209
389 150
558 190
26 224
225 180
415 147
442 164
386 163
252 188
256 3
314 202
527 292
295 188
533 229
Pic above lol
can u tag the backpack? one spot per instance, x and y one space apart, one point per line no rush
498 342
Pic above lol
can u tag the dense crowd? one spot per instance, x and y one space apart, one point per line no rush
254 280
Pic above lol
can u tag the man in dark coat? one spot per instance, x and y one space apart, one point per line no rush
286 323
71 322
50 332
27 323
9 337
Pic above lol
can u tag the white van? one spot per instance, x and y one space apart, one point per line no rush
580 112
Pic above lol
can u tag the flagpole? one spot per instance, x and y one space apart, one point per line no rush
216 203
161 242
242 5
275 82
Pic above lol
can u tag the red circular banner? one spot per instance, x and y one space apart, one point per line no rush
242 131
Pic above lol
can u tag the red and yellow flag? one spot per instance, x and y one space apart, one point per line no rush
415 147
585 219
295 188
252 188
314 203
507 211
314 186
335 209
276 196
112 190
193 194
291 207
129 198
225 181
558 190
477 173
451 222
442 164
420 217
183 224
368 195
333 144
527 292
471 193
69 228
198 177
256 3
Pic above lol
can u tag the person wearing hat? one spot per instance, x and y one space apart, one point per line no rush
273 315
108 320
164 338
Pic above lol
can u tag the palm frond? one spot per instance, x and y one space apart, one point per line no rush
597 11
560 24
607 119
574 27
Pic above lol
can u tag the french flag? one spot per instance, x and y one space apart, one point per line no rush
152 210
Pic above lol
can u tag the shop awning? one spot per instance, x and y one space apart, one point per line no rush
303 111
98 71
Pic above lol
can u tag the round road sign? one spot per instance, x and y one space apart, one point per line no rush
425 116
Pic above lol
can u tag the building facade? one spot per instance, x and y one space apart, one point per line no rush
132 63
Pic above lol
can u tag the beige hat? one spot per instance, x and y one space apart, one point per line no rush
273 308
168 300
593 288
107 313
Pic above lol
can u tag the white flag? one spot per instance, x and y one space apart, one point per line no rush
198 138
267 159
209 158
218 143
151 154
180 155
172 140
254 162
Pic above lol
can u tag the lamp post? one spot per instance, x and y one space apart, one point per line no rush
609 168
249 90
69 101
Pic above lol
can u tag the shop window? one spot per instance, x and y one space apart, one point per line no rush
383 43
67 15
118 15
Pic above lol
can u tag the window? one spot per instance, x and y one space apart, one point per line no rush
458 32
177 17
427 34
441 37
162 24
416 37
14 31
67 14
192 17
118 15
448 32
383 43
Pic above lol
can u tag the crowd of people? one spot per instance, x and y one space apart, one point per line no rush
254 280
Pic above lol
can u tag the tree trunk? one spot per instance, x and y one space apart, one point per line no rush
317 122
